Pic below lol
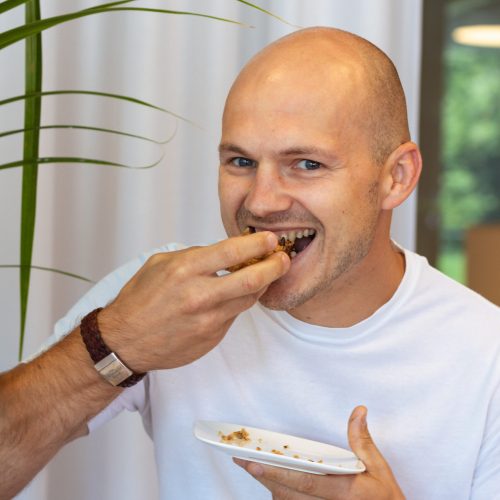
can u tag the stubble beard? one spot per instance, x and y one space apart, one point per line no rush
349 255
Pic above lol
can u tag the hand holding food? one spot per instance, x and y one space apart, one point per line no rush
176 308
284 245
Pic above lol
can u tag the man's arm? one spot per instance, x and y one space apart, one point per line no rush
45 404
174 310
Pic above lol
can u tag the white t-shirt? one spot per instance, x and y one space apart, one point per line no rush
426 364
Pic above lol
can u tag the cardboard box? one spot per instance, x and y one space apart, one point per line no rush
483 260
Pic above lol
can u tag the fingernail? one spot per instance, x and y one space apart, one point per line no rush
362 420
271 239
360 416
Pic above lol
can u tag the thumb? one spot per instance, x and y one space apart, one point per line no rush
361 441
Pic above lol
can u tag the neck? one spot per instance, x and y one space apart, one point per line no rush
358 293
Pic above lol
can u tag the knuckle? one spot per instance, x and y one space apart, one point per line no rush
283 493
155 259
200 328
195 300
191 303
308 484
210 322
250 281
180 270
232 254
366 440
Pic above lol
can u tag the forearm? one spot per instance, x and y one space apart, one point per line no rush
43 405
174 310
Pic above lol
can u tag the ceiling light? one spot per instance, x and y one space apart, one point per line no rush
479 35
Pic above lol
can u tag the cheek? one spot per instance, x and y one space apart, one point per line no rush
325 204
341 209
231 196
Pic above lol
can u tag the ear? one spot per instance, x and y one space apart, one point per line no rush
401 173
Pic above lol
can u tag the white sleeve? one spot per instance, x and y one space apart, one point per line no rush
486 482
133 398
98 296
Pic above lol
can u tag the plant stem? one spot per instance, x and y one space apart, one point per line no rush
32 112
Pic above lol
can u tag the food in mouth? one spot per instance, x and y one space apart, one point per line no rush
290 242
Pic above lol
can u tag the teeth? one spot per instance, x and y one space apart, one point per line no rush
290 235
293 254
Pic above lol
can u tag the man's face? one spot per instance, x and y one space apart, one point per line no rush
295 158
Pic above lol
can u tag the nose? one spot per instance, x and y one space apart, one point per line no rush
268 193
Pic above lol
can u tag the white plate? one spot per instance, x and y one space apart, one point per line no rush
297 453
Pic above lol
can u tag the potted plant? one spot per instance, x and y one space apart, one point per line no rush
31 31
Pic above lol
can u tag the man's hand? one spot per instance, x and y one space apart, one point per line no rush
376 483
176 309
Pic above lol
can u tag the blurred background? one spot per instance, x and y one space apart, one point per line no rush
93 218
458 226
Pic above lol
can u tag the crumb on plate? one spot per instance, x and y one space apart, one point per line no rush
238 438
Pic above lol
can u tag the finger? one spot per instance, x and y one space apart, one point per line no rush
233 251
278 490
301 482
255 278
361 441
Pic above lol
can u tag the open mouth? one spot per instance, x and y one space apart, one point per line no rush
294 241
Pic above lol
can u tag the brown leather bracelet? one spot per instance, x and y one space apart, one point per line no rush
99 352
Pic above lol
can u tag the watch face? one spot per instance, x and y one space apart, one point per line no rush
112 369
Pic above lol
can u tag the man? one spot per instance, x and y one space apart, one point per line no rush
315 146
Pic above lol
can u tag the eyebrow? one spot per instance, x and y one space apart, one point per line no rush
294 151
228 147
304 151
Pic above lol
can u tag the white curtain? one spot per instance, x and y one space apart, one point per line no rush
93 218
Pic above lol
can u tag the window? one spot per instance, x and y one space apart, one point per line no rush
459 202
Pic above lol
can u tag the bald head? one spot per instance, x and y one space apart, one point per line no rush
333 66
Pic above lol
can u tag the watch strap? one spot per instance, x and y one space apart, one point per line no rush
106 362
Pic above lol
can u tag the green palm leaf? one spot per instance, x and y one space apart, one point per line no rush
36 26
75 159
31 31
133 100
32 113
92 129
10 4
267 12
50 269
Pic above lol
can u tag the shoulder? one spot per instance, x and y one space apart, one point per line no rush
450 302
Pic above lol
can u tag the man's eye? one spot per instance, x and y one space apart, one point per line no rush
242 162
308 165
